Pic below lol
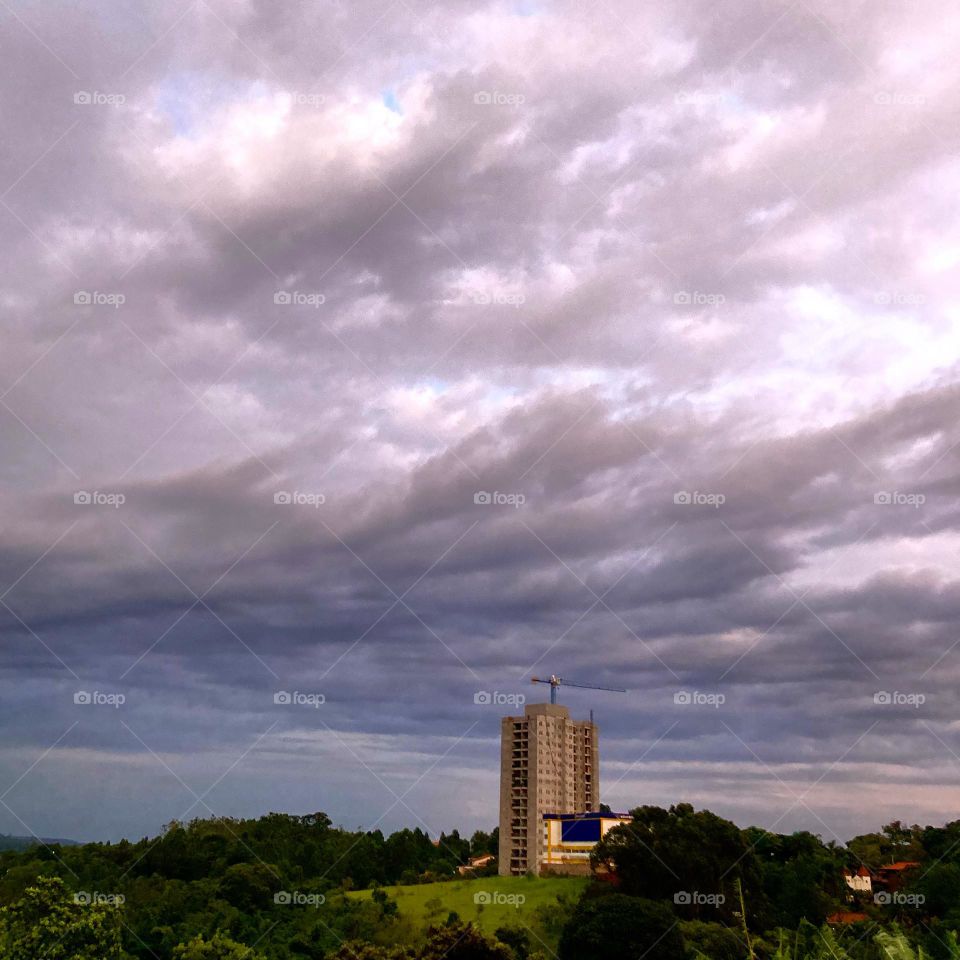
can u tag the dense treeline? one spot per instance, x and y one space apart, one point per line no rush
677 884
289 848
738 894
226 875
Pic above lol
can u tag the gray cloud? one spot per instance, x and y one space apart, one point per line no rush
602 262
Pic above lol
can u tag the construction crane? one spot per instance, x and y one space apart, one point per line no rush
555 682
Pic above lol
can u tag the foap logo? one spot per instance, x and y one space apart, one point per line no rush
694 898
698 98
896 898
498 898
88 898
98 498
698 499
698 698
697 298
297 498
497 699
301 99
498 499
298 699
295 898
899 298
897 698
298 298
897 498
888 98
497 298
96 98
98 698
496 98
98 298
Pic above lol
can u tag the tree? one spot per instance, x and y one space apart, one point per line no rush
898 842
357 950
454 849
713 940
516 938
482 842
905 842
940 888
689 857
456 942
219 948
387 906
802 876
49 922
250 886
619 927
433 907
460 941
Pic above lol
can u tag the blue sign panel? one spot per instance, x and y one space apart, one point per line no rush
580 831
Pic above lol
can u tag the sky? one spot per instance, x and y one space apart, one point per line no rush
361 361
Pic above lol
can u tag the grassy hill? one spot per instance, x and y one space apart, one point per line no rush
490 902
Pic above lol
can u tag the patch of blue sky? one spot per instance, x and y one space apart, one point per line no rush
391 102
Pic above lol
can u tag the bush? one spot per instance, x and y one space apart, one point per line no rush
618 927
713 940
516 938
219 948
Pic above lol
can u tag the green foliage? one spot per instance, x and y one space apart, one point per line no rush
802 877
663 853
895 946
898 842
249 886
357 950
387 906
713 940
619 927
551 918
517 939
207 889
548 903
222 874
482 843
460 941
217 948
453 942
940 887
48 923
940 942
848 942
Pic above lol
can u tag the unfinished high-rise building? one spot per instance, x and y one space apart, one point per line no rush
548 764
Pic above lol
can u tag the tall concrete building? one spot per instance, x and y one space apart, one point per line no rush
548 764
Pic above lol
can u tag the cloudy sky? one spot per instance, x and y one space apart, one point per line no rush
386 353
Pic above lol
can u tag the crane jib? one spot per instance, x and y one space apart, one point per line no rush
555 682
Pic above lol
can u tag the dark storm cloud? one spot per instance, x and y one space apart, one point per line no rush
684 287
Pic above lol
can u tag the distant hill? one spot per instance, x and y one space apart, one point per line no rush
22 843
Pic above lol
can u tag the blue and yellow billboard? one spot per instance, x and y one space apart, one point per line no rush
569 838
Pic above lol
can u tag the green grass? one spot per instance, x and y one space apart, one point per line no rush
458 895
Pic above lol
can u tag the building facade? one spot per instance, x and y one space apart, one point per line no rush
548 764
569 839
859 882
